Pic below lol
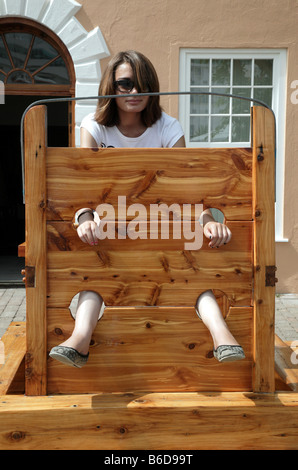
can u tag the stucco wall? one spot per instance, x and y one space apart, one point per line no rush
160 28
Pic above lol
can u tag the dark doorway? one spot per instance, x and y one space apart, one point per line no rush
12 209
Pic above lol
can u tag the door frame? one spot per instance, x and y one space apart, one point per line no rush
25 25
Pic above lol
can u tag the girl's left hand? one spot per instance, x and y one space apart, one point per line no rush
219 234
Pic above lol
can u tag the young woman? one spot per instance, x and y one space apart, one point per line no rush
136 121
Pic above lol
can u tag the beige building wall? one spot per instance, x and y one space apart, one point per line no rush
159 28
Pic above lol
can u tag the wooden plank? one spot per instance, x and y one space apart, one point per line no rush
152 421
22 250
61 237
14 340
148 272
36 292
280 385
180 285
286 363
264 246
219 178
157 349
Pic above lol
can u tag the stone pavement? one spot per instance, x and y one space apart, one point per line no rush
13 308
286 316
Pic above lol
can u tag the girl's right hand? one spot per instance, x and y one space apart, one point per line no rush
219 234
87 232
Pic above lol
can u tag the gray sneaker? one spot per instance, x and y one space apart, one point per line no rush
229 353
69 356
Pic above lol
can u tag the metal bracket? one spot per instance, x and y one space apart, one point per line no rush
271 280
30 276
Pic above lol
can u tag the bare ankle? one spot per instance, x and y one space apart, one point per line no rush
79 344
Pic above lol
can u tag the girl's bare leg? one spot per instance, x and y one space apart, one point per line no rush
212 317
88 309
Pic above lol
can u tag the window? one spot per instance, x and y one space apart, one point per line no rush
220 121
28 59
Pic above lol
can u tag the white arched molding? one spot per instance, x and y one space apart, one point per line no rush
85 48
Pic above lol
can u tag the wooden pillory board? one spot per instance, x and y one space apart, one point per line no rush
151 369
157 343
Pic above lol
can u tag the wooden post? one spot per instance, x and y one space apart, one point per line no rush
35 200
264 248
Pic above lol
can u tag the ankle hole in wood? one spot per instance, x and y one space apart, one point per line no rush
222 301
74 304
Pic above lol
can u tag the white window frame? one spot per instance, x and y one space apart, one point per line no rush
279 57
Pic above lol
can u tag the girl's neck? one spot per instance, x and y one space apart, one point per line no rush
130 124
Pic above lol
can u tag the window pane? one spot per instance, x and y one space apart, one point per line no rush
263 94
55 73
19 76
2 77
219 119
241 106
199 129
263 72
199 104
5 64
242 72
220 104
42 52
18 44
199 72
240 129
221 72
220 129
42 56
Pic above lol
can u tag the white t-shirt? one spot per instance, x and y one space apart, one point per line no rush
164 133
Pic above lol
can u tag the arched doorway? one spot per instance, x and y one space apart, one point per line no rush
34 64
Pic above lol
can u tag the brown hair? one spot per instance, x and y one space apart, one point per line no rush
146 80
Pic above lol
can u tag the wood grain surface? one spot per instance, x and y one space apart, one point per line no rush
150 335
143 348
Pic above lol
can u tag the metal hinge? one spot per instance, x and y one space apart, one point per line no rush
29 273
271 280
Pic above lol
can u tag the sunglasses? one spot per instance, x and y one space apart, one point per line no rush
125 85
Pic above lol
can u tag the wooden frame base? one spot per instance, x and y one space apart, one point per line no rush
144 420
178 421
